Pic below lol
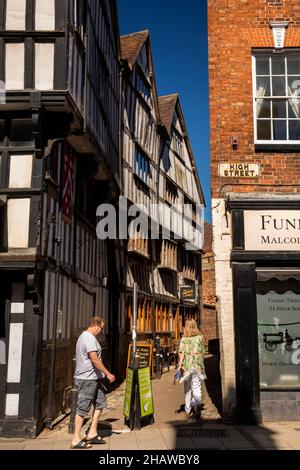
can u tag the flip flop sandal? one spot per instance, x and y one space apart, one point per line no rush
96 440
82 445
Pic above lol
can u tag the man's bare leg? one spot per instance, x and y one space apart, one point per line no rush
77 425
93 427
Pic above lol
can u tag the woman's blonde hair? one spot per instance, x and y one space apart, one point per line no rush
191 328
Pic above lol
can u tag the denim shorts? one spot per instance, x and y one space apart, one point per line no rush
89 393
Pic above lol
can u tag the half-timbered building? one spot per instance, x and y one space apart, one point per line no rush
59 150
158 172
179 186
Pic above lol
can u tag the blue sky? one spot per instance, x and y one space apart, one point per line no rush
178 33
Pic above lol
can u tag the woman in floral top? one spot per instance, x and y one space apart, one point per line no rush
191 360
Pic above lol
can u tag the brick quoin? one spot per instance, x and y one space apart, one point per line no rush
234 28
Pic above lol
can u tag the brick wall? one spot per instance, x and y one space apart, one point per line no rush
234 27
208 279
209 321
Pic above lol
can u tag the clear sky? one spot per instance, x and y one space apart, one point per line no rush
178 34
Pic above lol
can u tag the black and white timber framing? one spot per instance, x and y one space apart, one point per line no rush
158 168
59 151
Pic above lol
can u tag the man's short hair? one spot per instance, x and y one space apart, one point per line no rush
96 321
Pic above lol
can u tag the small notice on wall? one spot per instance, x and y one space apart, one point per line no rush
238 170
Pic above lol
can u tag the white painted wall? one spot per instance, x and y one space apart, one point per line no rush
44 66
45 15
15 15
20 171
15 352
12 404
14 66
18 211
222 246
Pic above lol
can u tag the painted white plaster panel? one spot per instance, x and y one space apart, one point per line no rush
45 15
222 247
12 404
44 66
18 211
15 352
14 66
15 15
20 171
17 307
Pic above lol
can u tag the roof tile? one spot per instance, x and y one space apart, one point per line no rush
167 107
131 45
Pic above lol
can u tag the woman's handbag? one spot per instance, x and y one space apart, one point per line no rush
181 376
178 376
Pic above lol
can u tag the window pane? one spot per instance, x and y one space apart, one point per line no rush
294 107
44 66
294 130
263 86
279 130
15 14
262 65
278 84
44 15
263 109
293 65
279 108
294 86
264 130
14 67
278 65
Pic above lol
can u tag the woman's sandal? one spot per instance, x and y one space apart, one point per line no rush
81 445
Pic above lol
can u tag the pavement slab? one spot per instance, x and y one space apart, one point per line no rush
170 424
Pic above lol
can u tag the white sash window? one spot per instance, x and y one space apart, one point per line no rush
276 91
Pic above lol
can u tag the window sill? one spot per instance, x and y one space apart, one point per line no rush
283 148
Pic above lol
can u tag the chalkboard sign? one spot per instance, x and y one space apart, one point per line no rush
144 350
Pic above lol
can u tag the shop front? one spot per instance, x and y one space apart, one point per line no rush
265 261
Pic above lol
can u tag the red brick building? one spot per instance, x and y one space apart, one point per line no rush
254 72
209 323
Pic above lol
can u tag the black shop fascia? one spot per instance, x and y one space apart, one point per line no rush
265 262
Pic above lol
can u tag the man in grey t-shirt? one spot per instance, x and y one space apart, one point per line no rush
89 370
